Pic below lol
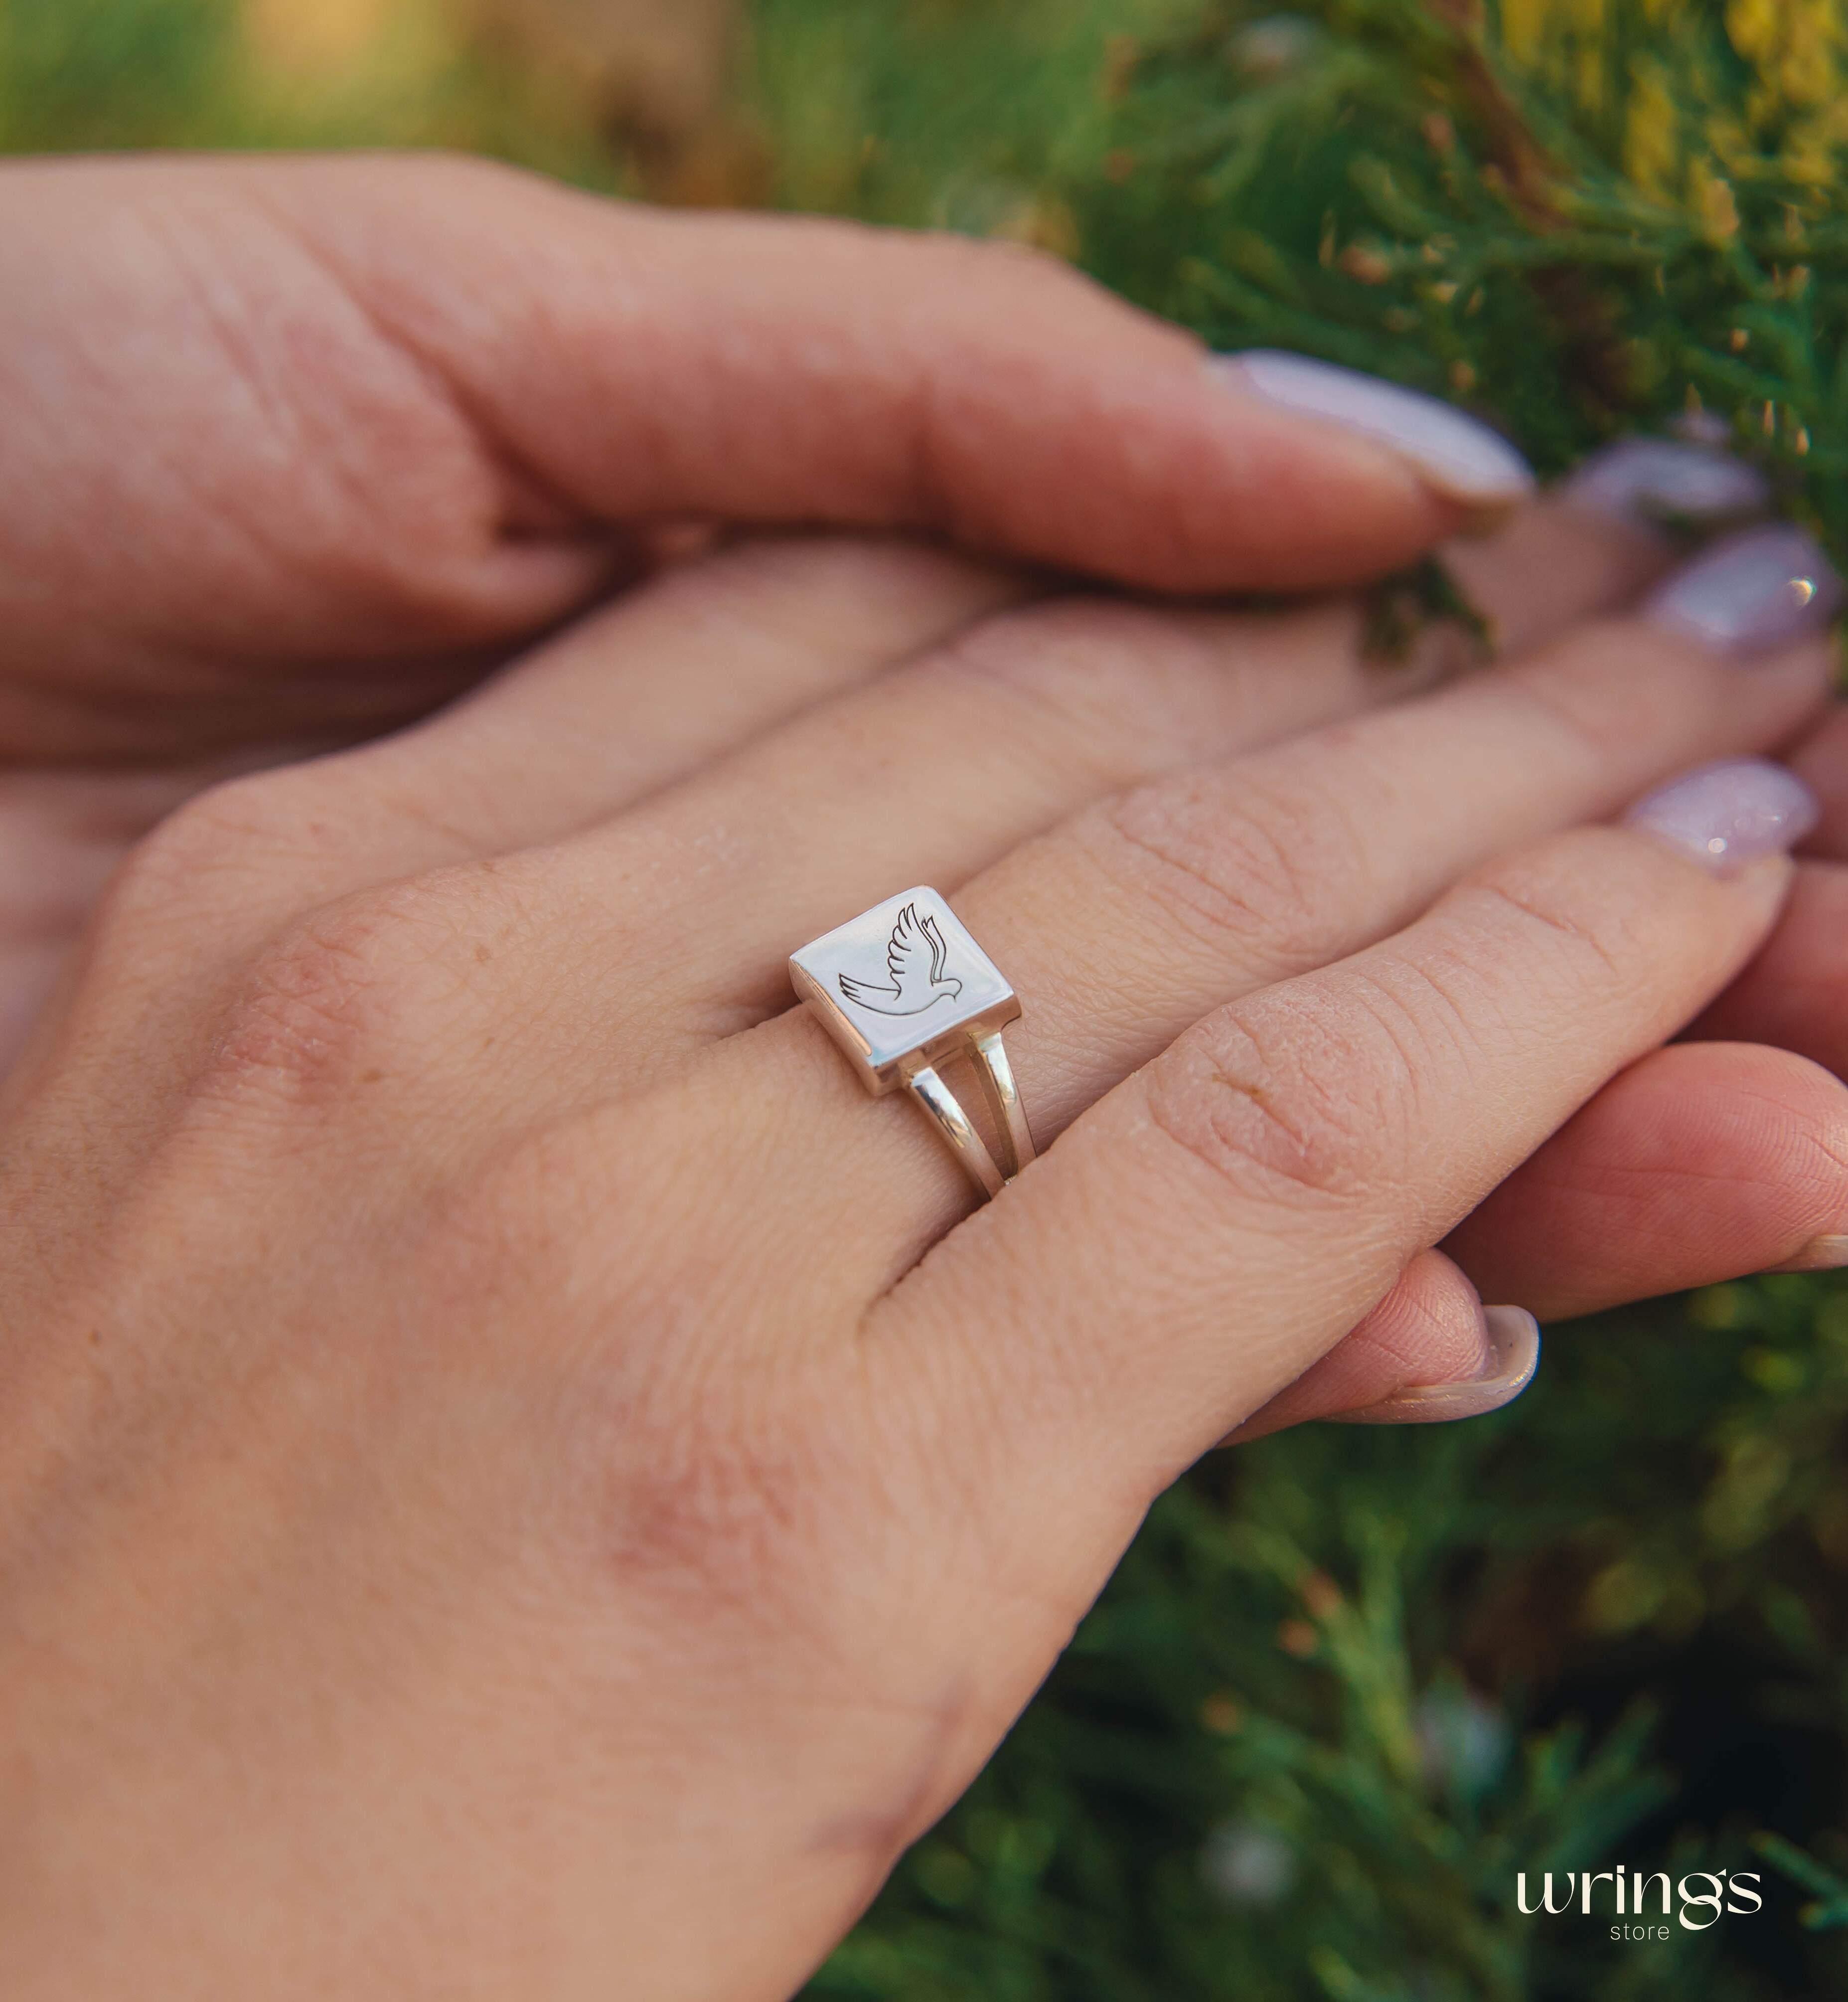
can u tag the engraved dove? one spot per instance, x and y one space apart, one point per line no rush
917 980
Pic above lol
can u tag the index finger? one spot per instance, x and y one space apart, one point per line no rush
373 406
779 368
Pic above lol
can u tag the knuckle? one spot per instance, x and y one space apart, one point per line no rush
1255 866
1046 670
344 998
310 1016
1559 934
1127 689
1286 1111
1422 1017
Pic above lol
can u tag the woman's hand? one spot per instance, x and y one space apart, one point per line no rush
515 1474
490 1495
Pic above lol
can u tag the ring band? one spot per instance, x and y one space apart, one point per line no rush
903 989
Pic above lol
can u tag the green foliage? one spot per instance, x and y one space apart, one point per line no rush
1419 203
1830 1908
1347 1685
108 73
1325 1713
1627 211
960 114
80 75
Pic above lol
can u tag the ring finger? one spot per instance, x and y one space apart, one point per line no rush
1125 925
937 767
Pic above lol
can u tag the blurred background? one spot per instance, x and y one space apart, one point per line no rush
1346 1683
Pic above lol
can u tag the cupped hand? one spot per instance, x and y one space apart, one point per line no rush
515 1475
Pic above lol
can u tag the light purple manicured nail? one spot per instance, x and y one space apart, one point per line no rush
1827 1253
1514 1337
1645 480
1727 815
1461 458
1750 592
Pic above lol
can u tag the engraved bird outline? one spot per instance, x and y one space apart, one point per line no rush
915 985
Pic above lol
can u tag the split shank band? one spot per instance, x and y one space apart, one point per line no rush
904 989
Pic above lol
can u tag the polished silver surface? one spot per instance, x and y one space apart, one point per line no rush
942 1108
903 989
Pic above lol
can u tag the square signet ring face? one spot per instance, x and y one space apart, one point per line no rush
903 988
901 984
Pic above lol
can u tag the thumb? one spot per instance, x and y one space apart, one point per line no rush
369 422
794 370
1429 1352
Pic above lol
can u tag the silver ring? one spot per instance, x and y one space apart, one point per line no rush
904 989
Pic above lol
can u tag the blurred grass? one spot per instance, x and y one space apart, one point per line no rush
1346 1684
77 75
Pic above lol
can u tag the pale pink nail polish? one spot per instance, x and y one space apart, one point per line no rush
1748 593
1727 815
1827 1254
1514 1341
1462 458
1646 481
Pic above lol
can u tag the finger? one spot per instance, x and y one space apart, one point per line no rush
1794 994
1124 926
405 400
683 671
1574 729
773 370
1698 1163
1028 719
678 673
933 772
1429 1353
943 765
697 662
698 665
954 747
1209 1230
1821 762
1071 695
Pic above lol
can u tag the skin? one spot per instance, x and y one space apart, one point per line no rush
501 1436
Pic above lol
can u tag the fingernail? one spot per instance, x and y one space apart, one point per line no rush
1514 1339
1752 591
1727 815
1652 482
1463 460
1820 1254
